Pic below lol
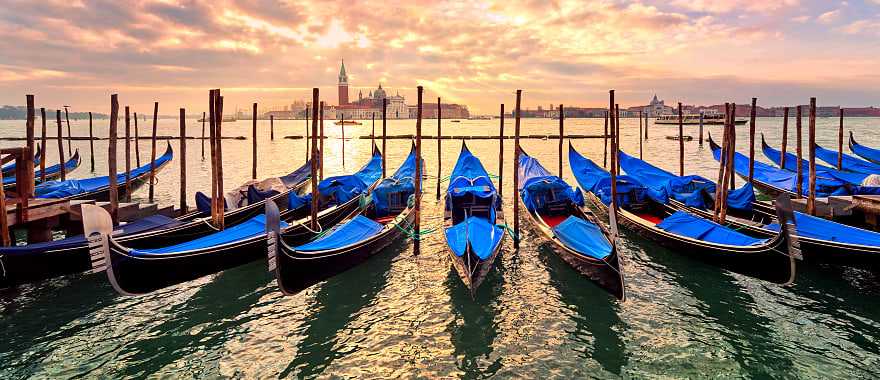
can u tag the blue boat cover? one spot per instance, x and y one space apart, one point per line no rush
295 201
346 187
863 151
482 236
70 165
817 228
470 177
597 180
584 237
137 226
255 196
355 230
821 170
401 182
684 224
72 187
203 203
539 188
295 177
253 227
692 190
850 163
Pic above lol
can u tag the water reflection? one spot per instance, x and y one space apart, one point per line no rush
473 329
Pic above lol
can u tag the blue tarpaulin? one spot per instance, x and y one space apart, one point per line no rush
251 228
203 203
863 151
584 237
402 182
295 201
482 236
850 163
70 165
254 195
355 230
72 187
597 180
137 226
343 188
821 170
692 190
684 224
822 229
470 177
540 189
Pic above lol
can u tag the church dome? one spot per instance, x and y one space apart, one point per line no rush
379 93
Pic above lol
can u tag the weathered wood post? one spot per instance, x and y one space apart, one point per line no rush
702 114
69 135
752 113
271 127
137 142
418 179
731 174
313 220
60 146
640 135
611 118
203 136
384 132
605 142
321 146
646 125
561 136
153 150
91 143
342 127
680 141
615 157
722 165
616 134
840 142
212 115
127 155
373 132
217 199
811 201
183 207
784 137
26 167
308 137
500 154
111 159
728 162
4 223
516 153
800 162
43 150
439 156
254 138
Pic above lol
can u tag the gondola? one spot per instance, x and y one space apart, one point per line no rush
98 188
849 162
53 172
153 260
849 178
644 213
388 213
863 151
9 169
554 208
471 216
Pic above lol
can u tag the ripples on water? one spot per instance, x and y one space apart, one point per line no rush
403 314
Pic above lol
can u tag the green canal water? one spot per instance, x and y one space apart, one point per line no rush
405 314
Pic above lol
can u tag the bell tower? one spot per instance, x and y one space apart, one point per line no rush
343 85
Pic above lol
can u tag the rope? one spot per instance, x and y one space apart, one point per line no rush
507 228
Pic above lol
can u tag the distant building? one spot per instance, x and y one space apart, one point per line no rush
343 85
447 111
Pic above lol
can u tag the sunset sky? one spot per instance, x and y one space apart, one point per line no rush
78 52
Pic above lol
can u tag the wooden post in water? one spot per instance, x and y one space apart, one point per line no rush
640 136
731 150
373 131
43 142
501 154
254 138
153 151
137 139
516 153
611 124
4 223
342 117
784 137
614 148
605 142
616 136
701 127
418 179
203 136
680 141
722 165
271 127
384 133
439 159
752 112
91 143
127 155
313 220
111 159
800 162
28 165
212 117
646 125
561 136
183 207
728 162
840 142
321 145
308 137
60 146
69 136
220 199
811 201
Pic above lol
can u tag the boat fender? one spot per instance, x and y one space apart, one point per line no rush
97 227
788 225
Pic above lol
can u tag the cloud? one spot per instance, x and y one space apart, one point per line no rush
865 27
801 19
829 17
725 6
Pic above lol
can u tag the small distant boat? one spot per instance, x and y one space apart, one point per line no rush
228 118
470 220
675 138
694 119
480 117
455 121
348 122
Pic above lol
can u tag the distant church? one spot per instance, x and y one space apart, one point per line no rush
364 108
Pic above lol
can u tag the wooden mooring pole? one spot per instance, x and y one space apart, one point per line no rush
183 206
840 142
516 153
321 145
271 127
640 136
153 152
605 142
127 155
342 127
418 179
137 139
212 115
615 157
373 131
308 138
680 141
722 165
646 125
91 143
69 135
60 145
611 118
752 113
798 125
313 220
439 155
111 159
784 137
811 201
384 133
500 153
732 149
561 136
43 149
203 135
254 140
702 114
